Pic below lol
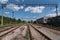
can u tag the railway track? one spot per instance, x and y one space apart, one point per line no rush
7 31
36 34
7 28
33 34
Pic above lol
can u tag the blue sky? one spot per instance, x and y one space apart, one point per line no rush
29 12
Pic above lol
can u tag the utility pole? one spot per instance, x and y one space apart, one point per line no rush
2 15
56 10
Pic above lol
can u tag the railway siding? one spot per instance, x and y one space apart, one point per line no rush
11 33
22 34
48 33
37 35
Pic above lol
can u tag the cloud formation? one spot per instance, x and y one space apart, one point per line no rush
52 15
17 0
14 7
37 9
55 9
3 1
7 12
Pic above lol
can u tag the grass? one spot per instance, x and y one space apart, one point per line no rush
27 35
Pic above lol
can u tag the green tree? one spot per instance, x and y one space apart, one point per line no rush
19 20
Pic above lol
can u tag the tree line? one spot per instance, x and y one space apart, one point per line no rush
7 20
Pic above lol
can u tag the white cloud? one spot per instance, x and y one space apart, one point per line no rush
52 15
17 0
28 9
14 7
21 7
3 1
7 12
27 17
37 9
34 16
55 9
